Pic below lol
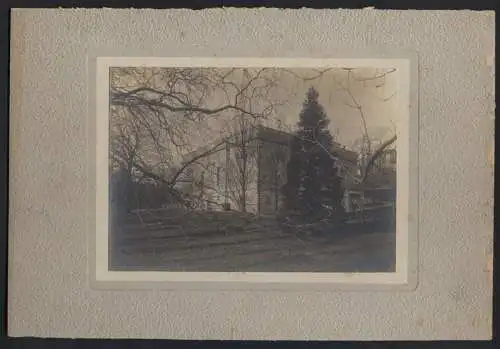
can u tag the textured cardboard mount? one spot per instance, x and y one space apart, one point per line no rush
49 291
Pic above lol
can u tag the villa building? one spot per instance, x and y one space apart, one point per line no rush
247 174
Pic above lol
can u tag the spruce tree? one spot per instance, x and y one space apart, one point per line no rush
313 186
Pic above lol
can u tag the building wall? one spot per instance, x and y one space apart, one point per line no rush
273 161
218 179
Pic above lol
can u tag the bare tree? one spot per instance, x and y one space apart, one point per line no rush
242 169
368 154
168 108
242 161
251 90
158 112
125 142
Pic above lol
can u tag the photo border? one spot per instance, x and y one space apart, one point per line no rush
406 275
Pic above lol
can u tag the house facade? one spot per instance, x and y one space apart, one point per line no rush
247 174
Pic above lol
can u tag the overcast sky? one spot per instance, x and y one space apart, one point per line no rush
373 90
346 122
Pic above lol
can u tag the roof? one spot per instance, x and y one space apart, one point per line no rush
277 136
268 134
273 135
347 155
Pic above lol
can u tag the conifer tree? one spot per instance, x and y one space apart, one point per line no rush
313 186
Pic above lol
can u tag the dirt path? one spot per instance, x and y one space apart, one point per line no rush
255 246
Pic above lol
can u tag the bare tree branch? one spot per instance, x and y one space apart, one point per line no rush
186 164
375 155
376 77
132 98
319 74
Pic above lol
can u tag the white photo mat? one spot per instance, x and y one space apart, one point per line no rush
53 290
405 275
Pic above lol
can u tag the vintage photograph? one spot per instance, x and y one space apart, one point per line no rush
253 169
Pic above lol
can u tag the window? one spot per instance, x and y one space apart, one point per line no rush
213 169
392 157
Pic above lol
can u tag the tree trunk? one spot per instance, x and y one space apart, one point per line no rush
226 179
244 178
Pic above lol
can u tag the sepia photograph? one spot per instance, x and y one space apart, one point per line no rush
253 169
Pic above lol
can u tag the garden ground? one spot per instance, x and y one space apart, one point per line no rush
231 241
